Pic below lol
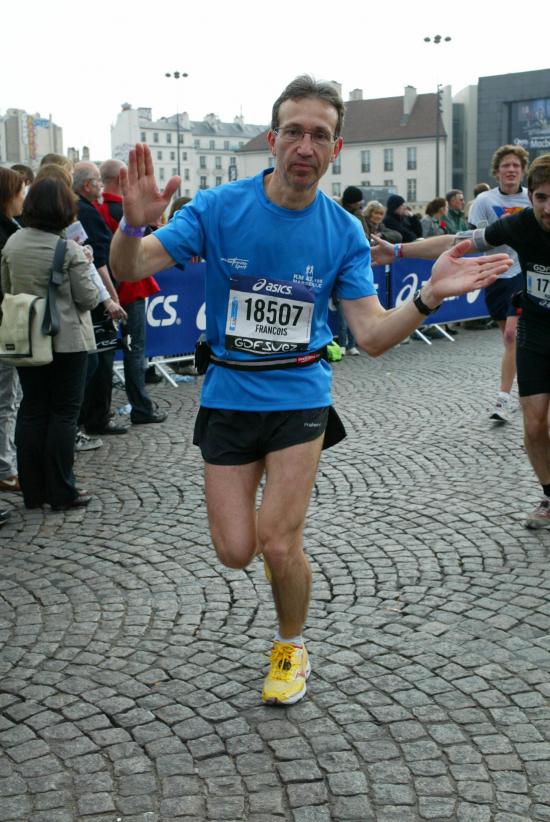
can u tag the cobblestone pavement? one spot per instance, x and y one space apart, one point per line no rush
131 662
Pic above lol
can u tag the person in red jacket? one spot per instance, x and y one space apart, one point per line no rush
132 297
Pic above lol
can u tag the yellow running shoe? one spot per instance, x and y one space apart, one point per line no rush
267 570
285 683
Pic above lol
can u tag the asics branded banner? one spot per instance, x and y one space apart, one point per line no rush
176 316
407 276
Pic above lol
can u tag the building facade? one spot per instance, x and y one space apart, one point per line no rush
515 109
26 138
202 152
389 142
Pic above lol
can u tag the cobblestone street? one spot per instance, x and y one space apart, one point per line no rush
131 662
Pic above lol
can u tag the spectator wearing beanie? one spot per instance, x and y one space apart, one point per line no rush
400 218
352 201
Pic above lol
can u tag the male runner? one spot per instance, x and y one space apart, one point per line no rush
276 248
528 233
508 197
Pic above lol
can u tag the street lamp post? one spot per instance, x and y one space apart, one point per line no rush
177 75
436 40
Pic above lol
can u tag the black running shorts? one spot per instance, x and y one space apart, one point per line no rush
241 437
533 371
498 297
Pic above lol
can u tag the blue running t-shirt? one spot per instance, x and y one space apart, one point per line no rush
270 274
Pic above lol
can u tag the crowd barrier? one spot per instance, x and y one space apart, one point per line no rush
176 315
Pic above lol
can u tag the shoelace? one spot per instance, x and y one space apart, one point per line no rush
281 661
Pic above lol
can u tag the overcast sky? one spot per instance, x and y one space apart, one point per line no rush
79 62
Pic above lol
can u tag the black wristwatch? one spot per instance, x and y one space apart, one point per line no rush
421 305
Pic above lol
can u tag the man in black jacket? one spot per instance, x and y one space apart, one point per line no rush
95 414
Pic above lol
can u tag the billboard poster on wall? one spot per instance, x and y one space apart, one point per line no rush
529 125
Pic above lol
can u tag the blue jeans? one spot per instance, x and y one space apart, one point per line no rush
134 362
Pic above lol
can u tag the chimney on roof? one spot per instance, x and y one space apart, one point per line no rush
409 98
356 94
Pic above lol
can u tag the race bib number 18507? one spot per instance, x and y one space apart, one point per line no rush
266 316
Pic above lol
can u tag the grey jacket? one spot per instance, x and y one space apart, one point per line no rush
26 261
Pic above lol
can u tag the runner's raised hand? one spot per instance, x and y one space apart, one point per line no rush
143 203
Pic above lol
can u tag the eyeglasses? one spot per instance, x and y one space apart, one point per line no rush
295 134
95 180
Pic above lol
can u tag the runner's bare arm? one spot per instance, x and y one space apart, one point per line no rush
383 253
376 330
133 258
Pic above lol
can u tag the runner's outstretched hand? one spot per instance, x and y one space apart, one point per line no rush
143 203
453 274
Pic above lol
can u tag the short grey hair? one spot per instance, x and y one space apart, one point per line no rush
81 173
306 86
110 169
452 193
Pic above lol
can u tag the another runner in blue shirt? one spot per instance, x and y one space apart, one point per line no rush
276 248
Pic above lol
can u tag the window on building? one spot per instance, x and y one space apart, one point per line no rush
168 136
161 174
411 158
388 182
186 174
172 155
336 189
187 192
366 183
270 161
218 162
212 145
155 136
174 172
226 145
184 156
388 159
241 143
180 137
203 183
159 155
365 161
337 166
143 140
197 143
411 190
232 161
218 181
202 161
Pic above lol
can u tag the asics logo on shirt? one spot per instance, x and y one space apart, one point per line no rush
272 288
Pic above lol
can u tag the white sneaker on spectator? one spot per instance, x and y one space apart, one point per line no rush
353 351
85 443
502 409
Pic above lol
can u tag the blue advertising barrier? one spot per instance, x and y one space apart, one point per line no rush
176 315
409 275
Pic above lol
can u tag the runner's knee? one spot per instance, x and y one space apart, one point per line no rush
233 554
535 427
